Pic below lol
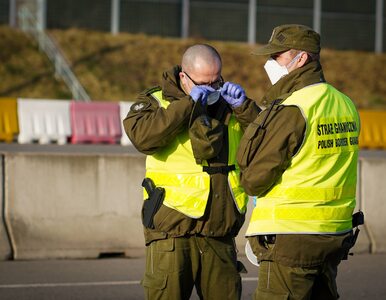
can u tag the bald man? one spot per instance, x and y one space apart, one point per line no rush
189 128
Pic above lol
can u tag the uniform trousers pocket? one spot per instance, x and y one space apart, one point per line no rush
155 281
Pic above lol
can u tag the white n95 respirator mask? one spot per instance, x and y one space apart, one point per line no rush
274 70
213 97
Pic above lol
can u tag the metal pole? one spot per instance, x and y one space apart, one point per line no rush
115 16
317 15
252 22
185 14
12 13
41 15
379 27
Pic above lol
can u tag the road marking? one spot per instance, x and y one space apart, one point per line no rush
248 278
67 284
71 284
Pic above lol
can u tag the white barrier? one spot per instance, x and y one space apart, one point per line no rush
43 121
124 108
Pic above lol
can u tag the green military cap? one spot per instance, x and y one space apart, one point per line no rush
291 36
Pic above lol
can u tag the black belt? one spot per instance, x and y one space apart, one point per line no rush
215 170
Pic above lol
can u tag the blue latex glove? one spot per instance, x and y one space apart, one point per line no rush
200 93
233 93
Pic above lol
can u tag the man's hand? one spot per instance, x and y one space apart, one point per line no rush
200 93
233 93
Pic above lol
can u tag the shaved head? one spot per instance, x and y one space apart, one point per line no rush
199 56
201 65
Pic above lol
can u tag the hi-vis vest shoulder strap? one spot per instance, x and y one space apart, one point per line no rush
186 185
316 194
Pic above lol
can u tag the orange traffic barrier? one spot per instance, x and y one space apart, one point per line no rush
373 129
9 126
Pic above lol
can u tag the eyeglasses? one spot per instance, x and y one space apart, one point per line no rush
215 84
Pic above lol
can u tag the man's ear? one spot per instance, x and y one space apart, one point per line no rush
303 59
183 83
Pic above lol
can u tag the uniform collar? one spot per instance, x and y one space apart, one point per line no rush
171 87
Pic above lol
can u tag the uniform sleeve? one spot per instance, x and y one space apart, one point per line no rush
151 127
247 112
268 158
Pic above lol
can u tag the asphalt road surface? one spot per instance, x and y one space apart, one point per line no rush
363 276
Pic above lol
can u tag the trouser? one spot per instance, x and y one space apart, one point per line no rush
284 277
277 281
175 265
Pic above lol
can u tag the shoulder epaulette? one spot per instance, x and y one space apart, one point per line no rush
151 90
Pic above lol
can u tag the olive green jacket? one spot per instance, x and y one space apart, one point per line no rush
151 128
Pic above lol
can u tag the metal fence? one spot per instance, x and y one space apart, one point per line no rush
344 24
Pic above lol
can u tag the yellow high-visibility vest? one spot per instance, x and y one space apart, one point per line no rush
186 184
316 194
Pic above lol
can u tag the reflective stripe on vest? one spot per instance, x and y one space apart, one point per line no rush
316 194
186 185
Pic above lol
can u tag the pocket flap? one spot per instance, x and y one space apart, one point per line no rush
166 245
155 281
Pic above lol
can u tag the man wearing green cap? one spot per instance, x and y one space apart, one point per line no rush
190 129
299 159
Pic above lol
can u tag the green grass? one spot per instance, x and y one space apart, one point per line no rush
24 71
119 67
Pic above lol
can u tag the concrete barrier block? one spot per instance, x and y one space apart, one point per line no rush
74 206
5 247
373 195
363 243
81 205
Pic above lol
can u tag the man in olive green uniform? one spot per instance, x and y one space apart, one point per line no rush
299 158
190 128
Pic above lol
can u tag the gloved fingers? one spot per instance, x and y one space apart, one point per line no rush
233 90
198 93
201 93
207 88
205 91
224 88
